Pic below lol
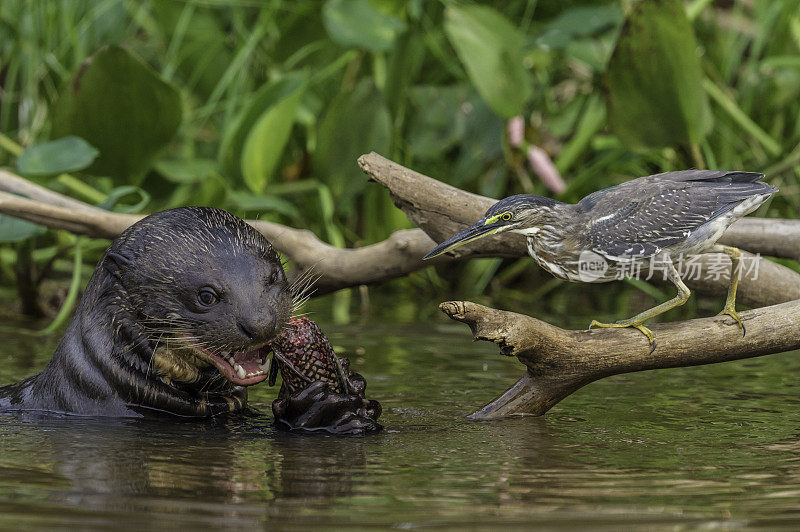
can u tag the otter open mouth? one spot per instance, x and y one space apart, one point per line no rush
242 368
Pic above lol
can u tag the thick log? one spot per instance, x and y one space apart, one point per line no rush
559 361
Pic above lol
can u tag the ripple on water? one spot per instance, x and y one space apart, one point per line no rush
713 446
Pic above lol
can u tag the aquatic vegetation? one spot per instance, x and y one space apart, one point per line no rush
263 108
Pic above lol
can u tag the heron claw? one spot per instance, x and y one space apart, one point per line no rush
644 330
730 311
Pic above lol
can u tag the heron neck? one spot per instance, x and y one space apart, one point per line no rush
548 218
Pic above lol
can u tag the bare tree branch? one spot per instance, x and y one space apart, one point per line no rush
336 268
560 361
436 207
767 236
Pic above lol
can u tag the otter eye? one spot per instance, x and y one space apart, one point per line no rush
274 277
207 297
506 216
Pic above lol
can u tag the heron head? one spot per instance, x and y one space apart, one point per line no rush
514 213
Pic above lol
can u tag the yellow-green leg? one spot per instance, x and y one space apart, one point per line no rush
637 321
730 302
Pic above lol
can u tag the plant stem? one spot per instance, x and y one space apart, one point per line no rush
10 146
697 156
72 294
738 116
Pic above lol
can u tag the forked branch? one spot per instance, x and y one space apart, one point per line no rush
560 361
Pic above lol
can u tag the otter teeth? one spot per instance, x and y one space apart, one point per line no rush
240 371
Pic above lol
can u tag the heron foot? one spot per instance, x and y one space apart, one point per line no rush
620 324
730 310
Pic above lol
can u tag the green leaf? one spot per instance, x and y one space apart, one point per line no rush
13 229
491 49
267 140
438 121
356 23
112 202
356 122
122 107
246 201
655 96
56 157
271 94
577 22
185 171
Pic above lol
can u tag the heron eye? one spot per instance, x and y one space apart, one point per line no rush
506 216
207 297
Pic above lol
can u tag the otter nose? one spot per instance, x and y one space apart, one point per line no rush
260 330
247 330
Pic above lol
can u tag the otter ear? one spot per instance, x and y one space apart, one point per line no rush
115 262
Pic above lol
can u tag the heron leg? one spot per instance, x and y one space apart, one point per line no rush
637 321
730 302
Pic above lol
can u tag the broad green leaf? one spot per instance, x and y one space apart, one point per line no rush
654 81
122 107
356 23
233 141
13 229
577 22
404 63
356 123
56 157
185 170
438 120
479 148
266 141
491 49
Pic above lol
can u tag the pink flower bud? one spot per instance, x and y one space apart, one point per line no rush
516 131
545 169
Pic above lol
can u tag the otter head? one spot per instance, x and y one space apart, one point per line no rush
206 288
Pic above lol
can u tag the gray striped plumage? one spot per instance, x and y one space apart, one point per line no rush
647 215
672 214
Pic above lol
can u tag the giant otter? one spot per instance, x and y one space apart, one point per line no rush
174 320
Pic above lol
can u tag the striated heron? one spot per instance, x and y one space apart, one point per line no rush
609 234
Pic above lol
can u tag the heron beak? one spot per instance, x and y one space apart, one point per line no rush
473 232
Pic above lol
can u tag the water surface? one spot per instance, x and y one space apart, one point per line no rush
709 447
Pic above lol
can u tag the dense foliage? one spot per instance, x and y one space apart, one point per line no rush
263 107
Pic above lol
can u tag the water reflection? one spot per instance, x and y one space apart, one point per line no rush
712 446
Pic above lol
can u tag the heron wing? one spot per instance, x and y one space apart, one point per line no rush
642 217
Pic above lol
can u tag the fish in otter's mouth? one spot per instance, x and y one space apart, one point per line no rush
304 356
319 392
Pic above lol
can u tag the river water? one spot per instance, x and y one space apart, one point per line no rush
708 447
